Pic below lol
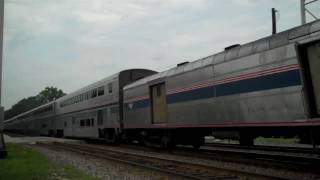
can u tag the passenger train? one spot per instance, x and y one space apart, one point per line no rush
269 87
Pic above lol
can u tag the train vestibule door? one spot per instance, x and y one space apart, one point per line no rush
159 103
313 53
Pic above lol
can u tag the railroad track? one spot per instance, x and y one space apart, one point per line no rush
292 159
175 168
304 150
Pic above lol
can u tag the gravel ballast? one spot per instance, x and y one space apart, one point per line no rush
102 169
105 169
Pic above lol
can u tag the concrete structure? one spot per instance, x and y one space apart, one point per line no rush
3 151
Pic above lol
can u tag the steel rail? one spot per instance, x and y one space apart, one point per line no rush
288 149
169 166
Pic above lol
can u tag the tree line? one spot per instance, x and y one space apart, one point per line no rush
26 104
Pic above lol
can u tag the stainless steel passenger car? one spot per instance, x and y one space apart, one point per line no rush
90 112
267 87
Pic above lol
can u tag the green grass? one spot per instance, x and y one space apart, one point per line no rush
280 140
26 163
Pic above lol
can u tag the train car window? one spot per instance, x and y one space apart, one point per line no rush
110 88
87 122
65 124
86 96
94 93
82 123
101 91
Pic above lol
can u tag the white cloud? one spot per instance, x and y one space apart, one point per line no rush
72 43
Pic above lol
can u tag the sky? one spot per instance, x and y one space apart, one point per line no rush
72 43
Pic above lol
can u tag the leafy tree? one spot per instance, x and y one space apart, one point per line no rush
50 94
26 104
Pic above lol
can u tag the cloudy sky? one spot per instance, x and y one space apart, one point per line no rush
72 43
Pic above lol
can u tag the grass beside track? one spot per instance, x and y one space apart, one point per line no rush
26 163
280 140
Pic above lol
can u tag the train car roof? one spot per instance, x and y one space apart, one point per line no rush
94 85
88 87
30 111
236 51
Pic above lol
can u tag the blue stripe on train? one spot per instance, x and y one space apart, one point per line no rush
273 81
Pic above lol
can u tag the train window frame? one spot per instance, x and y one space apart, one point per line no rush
101 91
93 93
110 88
82 123
87 95
88 122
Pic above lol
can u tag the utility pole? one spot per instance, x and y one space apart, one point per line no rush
3 151
304 9
274 23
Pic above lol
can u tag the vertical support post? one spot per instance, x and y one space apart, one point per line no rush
274 23
303 11
3 151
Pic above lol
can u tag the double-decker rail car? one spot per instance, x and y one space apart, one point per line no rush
267 87
33 121
94 111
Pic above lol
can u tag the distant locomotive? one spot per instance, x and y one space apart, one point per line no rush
268 87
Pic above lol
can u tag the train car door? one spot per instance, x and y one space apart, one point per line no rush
159 104
314 64
310 61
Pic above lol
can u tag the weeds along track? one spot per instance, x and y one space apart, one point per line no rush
176 168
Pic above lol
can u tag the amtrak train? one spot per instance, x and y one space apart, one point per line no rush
269 87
